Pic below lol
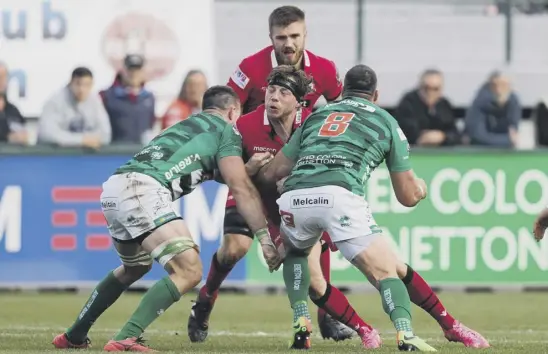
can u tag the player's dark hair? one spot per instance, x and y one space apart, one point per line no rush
295 80
283 16
79 72
219 97
360 80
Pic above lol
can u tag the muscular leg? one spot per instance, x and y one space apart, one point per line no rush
422 295
373 256
236 242
172 246
325 264
335 303
136 263
233 249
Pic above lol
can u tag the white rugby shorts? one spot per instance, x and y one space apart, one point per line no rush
307 213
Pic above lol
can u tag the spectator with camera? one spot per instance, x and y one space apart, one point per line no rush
74 116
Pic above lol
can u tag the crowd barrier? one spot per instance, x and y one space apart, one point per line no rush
473 230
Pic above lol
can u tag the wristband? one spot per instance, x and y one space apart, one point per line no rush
262 233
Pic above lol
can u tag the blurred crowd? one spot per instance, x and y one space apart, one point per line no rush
124 113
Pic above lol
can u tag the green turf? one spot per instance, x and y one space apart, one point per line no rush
513 322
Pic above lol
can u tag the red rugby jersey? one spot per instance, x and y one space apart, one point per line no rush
258 135
249 79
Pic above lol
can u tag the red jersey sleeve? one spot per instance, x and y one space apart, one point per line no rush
240 81
333 84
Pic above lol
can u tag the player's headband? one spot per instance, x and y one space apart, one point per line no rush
280 80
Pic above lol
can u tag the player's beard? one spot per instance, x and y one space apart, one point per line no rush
282 58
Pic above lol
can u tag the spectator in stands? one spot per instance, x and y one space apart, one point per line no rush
129 105
426 116
493 118
189 100
541 121
74 116
12 123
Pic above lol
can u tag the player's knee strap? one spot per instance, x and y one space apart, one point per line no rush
169 249
234 223
140 259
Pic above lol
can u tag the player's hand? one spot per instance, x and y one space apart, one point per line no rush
422 189
271 256
257 161
540 225
280 184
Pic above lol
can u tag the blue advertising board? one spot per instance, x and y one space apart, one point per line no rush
52 231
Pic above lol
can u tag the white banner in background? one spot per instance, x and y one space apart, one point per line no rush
43 41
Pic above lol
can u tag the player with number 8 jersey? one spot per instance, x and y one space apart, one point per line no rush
328 162
323 160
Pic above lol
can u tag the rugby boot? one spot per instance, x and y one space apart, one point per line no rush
333 329
408 342
468 337
128 345
302 328
62 342
370 338
198 321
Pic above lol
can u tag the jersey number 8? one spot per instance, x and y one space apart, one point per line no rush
335 124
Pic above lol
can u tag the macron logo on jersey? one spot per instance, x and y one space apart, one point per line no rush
240 78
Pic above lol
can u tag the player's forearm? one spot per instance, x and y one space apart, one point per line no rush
249 205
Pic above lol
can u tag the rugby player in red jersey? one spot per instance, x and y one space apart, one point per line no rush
264 132
288 36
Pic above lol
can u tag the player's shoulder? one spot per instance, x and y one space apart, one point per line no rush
319 63
258 59
251 120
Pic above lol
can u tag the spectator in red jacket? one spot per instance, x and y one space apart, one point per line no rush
189 100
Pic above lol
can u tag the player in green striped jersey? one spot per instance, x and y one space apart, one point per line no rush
328 162
137 202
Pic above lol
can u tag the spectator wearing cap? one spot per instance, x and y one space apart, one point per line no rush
129 105
12 123
74 116
426 116
189 100
493 117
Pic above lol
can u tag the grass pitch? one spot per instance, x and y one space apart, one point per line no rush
513 322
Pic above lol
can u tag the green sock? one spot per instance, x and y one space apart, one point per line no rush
155 301
396 303
297 282
104 295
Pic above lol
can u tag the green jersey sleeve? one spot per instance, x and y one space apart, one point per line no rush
397 159
231 142
293 146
